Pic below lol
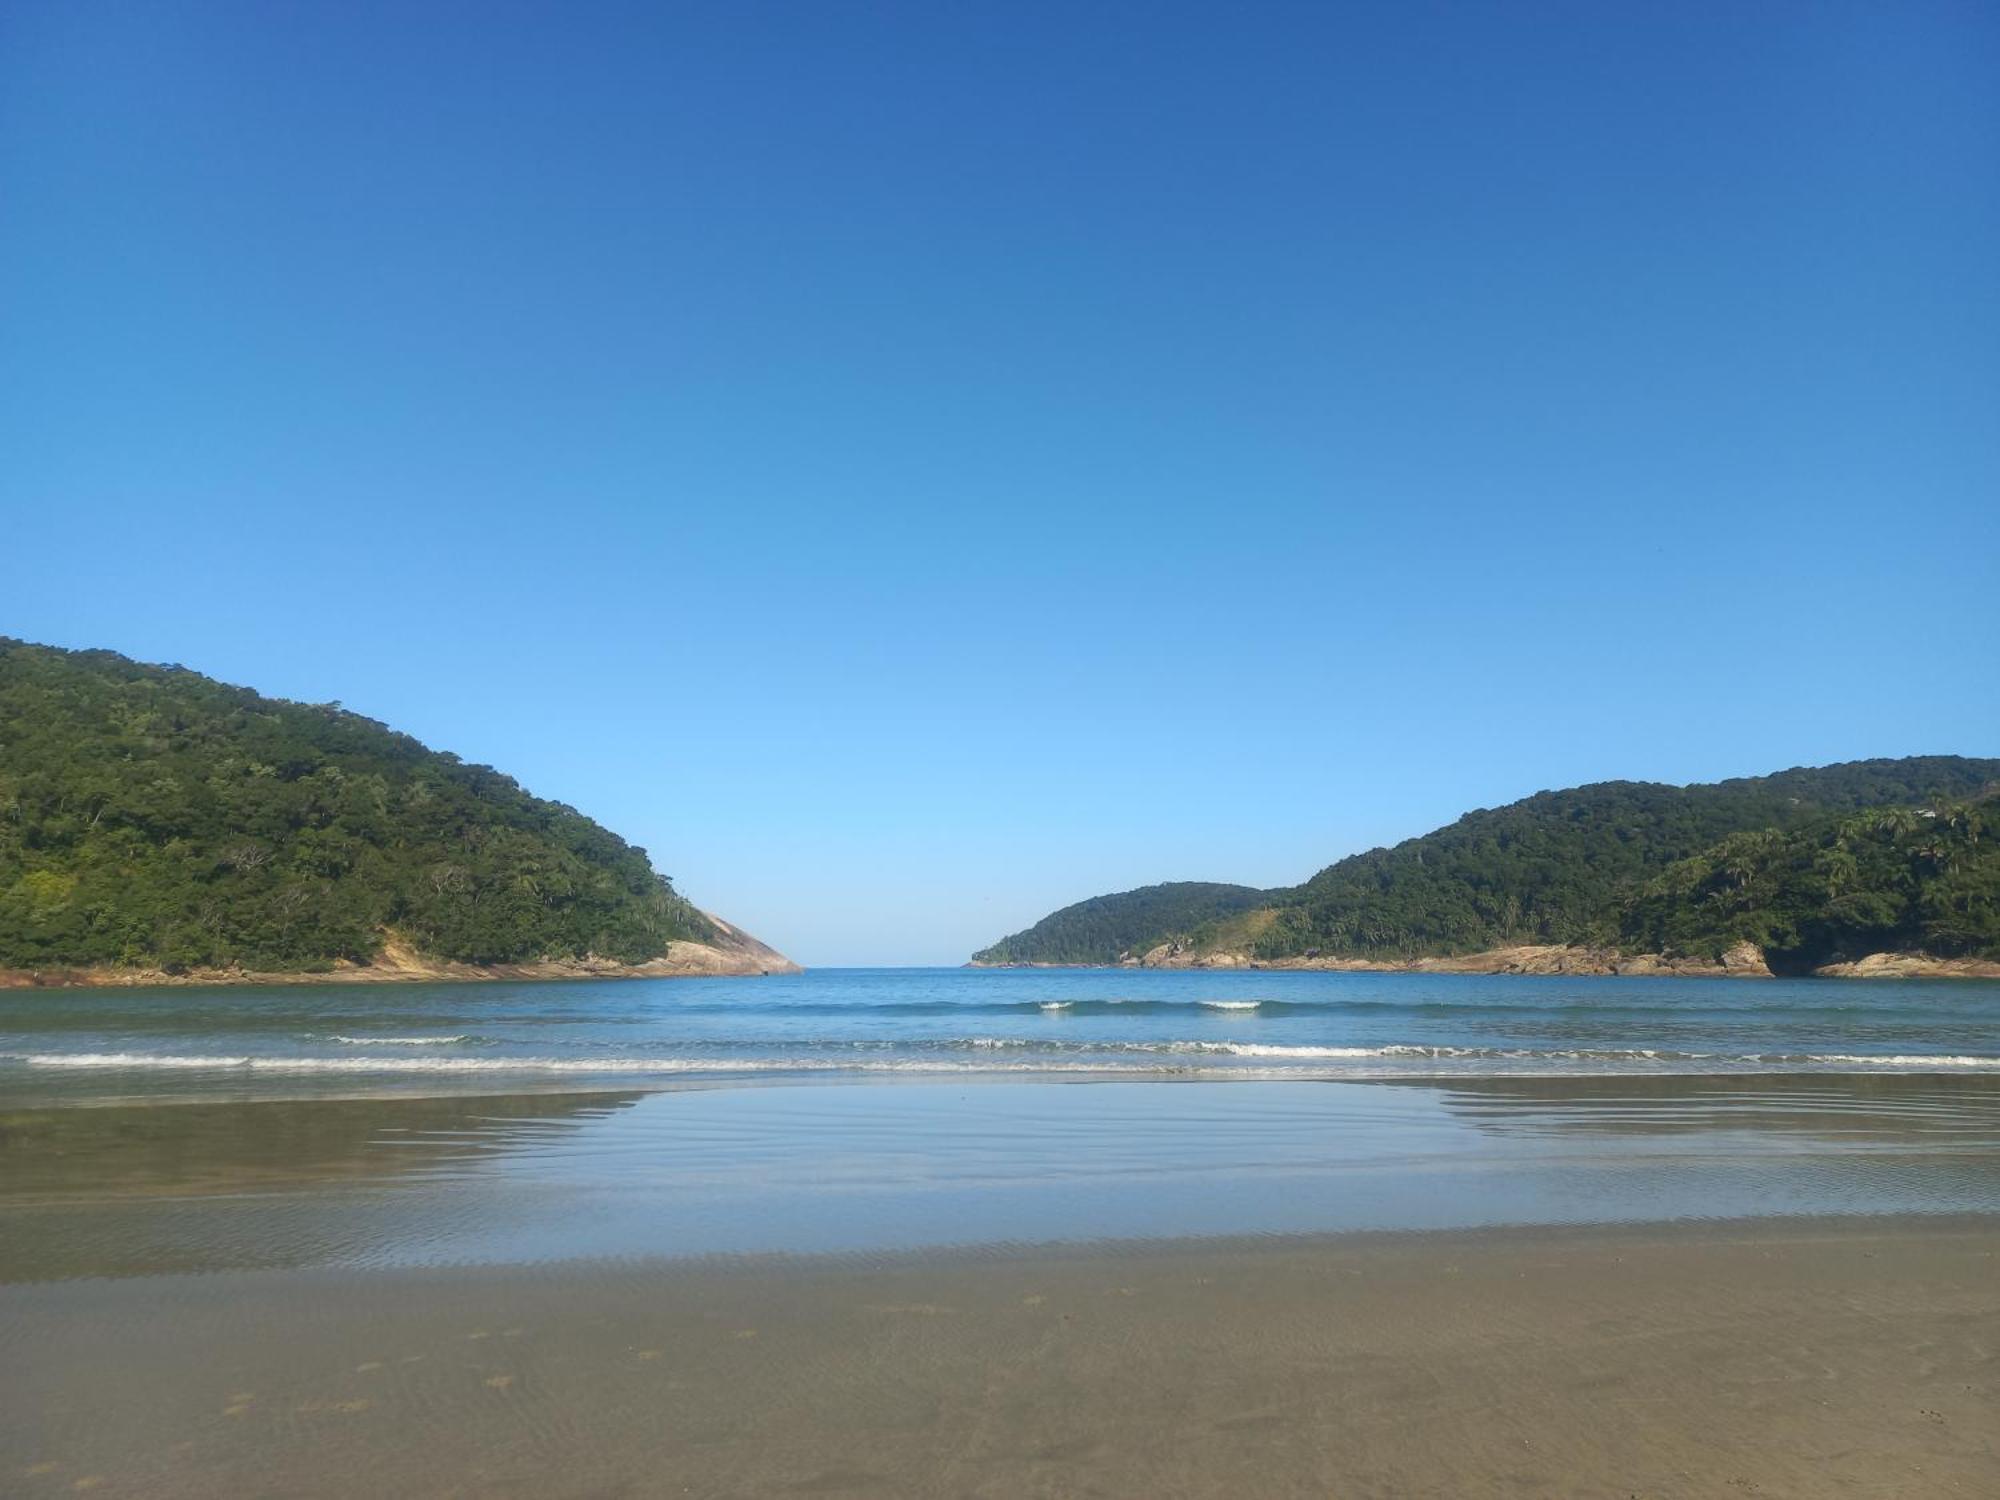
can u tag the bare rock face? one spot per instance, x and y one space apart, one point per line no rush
1179 954
1911 966
1746 959
1641 963
1538 959
1742 961
739 953
1739 961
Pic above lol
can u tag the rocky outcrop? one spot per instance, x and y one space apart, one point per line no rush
731 952
1911 966
1179 954
1743 961
1527 958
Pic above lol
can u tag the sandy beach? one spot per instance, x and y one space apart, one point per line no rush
288 1244
1800 1358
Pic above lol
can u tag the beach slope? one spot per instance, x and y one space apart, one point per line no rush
1793 1358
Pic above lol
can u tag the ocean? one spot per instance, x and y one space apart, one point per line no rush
1001 1232
288 1041
871 1111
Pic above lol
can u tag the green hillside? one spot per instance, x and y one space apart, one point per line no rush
1098 930
1622 864
153 817
1894 879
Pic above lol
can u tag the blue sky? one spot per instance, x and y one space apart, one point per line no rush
913 466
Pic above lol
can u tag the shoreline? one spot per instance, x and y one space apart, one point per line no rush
670 966
735 954
1549 961
1789 1356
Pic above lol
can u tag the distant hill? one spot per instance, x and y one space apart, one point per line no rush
1098 930
154 819
1811 865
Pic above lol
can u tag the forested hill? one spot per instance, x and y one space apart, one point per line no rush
154 818
1805 863
1100 929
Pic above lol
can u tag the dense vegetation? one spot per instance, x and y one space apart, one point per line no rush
1627 864
1098 930
151 816
1893 880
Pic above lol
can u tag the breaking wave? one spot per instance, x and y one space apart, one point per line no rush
1021 1055
663 1066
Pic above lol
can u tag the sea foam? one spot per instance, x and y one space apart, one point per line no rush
1031 1056
620 1065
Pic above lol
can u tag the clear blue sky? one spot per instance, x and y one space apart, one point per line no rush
912 466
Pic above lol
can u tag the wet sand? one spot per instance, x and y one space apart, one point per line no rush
119 1190
1639 1286
1774 1357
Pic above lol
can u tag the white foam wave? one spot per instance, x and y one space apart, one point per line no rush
1057 1004
121 1060
1420 1052
621 1065
1590 1054
1230 1004
398 1041
1900 1060
1047 1058
1256 1049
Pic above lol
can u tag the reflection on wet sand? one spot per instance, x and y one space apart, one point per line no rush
242 1147
1845 1107
150 1189
122 1191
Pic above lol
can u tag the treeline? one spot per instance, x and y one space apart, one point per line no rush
151 816
1586 866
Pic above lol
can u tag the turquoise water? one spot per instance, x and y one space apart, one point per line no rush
305 1040
182 1129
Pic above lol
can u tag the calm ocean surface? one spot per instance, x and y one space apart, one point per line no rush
296 1040
201 1130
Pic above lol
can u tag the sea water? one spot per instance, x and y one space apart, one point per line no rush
866 1111
282 1041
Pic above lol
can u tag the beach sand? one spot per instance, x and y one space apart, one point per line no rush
1774 1357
